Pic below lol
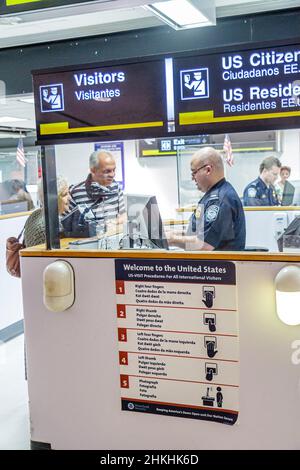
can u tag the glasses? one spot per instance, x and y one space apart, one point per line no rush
194 172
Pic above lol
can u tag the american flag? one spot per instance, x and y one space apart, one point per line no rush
20 155
228 150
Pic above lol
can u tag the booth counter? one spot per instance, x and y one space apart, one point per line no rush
275 218
160 349
76 364
10 288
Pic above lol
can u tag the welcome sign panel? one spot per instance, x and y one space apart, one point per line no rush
178 338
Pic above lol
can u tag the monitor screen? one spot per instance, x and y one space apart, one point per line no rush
288 194
144 220
296 197
12 207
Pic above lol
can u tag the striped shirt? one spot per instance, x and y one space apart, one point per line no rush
95 203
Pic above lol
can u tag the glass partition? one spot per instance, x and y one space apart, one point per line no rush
18 183
265 223
96 216
247 155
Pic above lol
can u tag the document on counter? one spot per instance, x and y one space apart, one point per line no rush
178 338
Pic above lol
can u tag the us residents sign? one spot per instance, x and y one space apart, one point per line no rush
178 338
238 88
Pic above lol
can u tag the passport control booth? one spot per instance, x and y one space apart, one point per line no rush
125 337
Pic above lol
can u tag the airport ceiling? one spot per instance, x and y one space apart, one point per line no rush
106 16
94 18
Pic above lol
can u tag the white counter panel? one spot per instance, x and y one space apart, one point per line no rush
73 371
264 226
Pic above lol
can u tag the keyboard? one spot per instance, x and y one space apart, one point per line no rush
106 243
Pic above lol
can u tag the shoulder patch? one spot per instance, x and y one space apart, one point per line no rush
212 213
213 196
251 192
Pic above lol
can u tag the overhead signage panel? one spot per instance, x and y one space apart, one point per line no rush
169 97
237 88
20 6
104 103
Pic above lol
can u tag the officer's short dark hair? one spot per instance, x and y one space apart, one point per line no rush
268 162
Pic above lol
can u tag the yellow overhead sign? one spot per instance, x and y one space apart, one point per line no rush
10 3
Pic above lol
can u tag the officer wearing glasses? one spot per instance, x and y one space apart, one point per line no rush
218 223
261 192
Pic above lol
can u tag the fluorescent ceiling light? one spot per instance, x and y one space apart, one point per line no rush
11 119
27 100
9 135
184 14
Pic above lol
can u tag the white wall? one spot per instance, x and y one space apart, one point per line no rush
152 175
11 306
291 151
72 161
244 170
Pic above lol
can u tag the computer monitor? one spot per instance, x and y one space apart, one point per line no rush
144 221
296 196
13 206
288 194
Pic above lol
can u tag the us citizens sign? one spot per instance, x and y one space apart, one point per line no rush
238 89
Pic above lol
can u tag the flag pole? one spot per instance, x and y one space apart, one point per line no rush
25 167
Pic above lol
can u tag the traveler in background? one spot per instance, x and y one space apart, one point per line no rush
18 192
261 192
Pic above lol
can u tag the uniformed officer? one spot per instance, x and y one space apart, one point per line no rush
218 223
261 192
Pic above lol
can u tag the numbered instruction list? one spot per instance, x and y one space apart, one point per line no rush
178 338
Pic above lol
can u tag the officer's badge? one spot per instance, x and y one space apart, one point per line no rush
251 192
198 212
212 213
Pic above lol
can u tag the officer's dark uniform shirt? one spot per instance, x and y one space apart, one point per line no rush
222 215
258 193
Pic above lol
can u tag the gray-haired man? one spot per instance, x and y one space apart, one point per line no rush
100 196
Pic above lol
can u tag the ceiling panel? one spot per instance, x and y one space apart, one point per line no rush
106 17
